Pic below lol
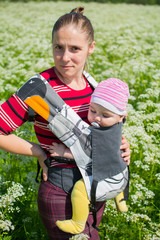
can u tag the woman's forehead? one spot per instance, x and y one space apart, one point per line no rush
69 33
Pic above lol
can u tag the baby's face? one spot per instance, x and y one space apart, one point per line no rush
102 116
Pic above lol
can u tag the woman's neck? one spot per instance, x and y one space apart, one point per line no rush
76 83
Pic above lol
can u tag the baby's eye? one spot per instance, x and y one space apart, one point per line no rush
92 111
105 116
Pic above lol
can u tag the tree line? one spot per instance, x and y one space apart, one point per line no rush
144 2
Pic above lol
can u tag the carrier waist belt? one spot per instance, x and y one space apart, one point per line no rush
60 160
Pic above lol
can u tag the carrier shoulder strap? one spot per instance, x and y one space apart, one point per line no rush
63 121
93 203
90 80
31 115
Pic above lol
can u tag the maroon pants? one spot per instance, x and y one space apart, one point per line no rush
55 204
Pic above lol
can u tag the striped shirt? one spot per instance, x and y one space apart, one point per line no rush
14 112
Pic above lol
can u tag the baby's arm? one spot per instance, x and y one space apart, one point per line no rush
60 150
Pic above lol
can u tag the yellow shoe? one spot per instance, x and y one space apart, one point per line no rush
70 226
120 203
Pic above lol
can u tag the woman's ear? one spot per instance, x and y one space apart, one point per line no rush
91 48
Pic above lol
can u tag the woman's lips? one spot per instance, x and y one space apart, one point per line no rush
66 67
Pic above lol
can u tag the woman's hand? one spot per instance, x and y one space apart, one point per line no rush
41 159
125 146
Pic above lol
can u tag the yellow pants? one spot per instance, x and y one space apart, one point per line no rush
80 209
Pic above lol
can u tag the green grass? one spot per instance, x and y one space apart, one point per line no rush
127 47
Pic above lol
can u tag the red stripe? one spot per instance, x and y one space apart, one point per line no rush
8 118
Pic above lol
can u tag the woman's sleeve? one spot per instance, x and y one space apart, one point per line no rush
13 113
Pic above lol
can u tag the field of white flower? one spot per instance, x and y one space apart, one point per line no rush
127 47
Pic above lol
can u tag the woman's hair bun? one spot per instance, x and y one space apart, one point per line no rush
78 10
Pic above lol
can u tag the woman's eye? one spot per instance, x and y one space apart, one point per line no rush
57 47
75 48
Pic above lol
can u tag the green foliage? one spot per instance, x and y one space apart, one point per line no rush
127 47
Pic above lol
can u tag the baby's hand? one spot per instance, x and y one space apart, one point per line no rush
57 149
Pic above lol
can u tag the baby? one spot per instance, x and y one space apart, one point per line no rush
107 108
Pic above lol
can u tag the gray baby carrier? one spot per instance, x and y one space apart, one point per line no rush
96 150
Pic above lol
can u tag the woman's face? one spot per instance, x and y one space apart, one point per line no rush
70 50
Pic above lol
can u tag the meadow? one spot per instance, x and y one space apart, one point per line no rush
127 47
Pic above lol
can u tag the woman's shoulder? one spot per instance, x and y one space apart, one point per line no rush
49 74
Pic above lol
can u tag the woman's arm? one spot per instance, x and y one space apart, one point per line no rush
14 144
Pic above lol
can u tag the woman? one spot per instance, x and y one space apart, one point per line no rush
73 41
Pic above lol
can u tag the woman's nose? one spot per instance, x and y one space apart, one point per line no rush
65 56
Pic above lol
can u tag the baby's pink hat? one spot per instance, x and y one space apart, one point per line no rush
112 94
